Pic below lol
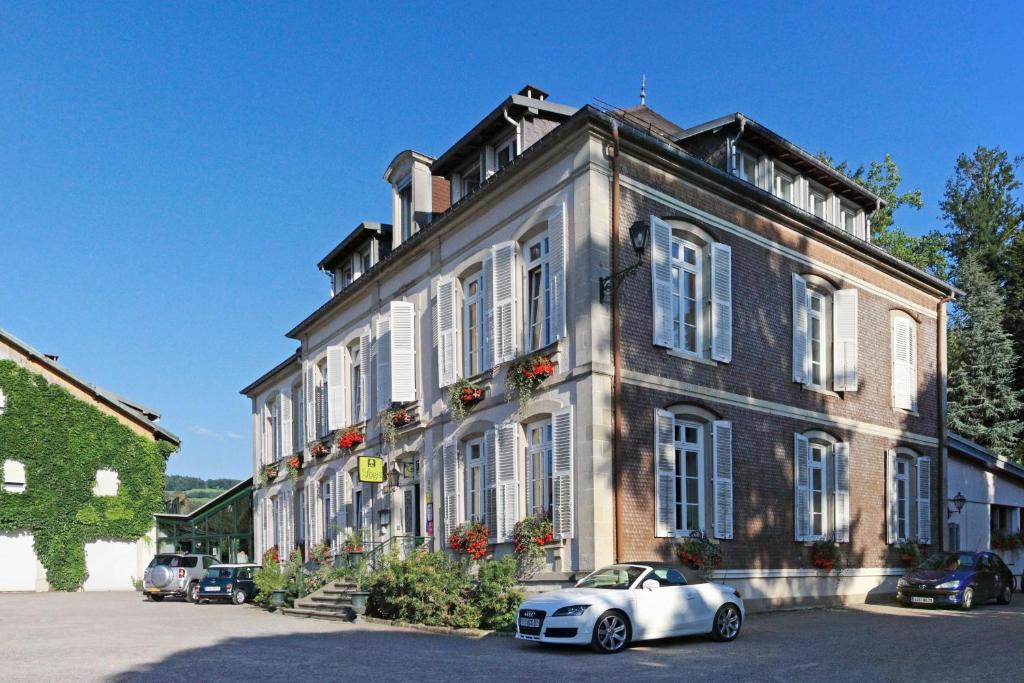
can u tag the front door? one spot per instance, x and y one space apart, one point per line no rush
409 498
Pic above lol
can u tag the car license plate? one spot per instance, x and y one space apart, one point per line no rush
211 588
530 623
923 601
153 590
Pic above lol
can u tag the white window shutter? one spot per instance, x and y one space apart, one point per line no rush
559 291
891 533
487 354
259 438
506 480
364 361
664 473
844 340
309 501
492 501
799 329
562 473
338 501
309 391
382 344
924 500
336 387
904 363
722 449
503 298
287 448
842 492
802 486
450 462
403 352
447 361
661 276
721 302
529 489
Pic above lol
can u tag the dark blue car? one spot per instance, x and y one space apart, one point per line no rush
232 582
957 580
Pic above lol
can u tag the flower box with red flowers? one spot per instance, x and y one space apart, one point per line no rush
471 539
350 438
470 396
826 555
271 471
320 450
536 369
401 418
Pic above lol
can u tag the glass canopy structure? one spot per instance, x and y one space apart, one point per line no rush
222 527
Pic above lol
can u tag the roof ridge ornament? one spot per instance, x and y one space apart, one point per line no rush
643 90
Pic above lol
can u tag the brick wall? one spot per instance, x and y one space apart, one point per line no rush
761 368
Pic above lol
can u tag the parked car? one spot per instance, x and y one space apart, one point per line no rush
959 579
176 574
232 582
624 603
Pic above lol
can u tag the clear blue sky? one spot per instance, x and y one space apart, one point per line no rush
170 174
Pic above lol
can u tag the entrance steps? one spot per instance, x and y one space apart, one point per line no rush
332 602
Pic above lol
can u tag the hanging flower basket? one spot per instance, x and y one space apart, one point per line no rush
350 438
470 539
271 472
530 535
320 450
393 420
462 396
294 465
525 376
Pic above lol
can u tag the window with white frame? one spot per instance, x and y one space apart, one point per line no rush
821 487
405 209
327 511
298 418
687 296
364 260
504 154
817 202
356 379
300 518
321 399
538 468
476 481
470 179
746 167
272 430
688 477
539 331
904 362
825 334
908 489
14 476
279 530
848 219
784 186
474 337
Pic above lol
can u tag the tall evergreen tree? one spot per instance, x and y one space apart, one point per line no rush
883 178
983 403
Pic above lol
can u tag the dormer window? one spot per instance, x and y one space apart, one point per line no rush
746 167
816 201
504 154
470 179
783 186
405 211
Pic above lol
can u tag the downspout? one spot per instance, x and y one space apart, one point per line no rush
940 394
616 343
515 124
735 154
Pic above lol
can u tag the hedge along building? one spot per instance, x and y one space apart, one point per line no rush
81 474
765 375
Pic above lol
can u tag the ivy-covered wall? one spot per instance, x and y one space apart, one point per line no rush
62 442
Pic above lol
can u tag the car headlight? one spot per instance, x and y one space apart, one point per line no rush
902 583
570 611
949 585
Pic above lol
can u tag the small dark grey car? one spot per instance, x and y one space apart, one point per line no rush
175 574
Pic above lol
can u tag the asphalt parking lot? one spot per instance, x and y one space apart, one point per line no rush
122 637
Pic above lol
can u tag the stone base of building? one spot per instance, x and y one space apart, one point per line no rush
766 590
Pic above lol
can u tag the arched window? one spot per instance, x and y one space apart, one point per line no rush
821 466
538 467
908 487
824 334
475 323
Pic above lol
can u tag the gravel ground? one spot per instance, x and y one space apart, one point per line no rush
122 637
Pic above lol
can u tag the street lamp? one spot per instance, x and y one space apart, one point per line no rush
958 501
638 234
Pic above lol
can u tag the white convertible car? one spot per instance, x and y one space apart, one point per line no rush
623 603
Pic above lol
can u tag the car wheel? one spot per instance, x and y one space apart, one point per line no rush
611 633
239 597
192 594
967 601
1005 596
727 623
155 598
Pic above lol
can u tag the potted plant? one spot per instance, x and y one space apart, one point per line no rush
353 547
462 396
359 596
525 376
825 555
530 535
393 420
350 438
320 450
699 552
272 579
294 465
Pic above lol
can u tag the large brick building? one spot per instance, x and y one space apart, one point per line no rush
765 375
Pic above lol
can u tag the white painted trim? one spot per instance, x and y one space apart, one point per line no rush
728 226
643 379
753 573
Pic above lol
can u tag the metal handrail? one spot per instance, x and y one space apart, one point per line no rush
406 544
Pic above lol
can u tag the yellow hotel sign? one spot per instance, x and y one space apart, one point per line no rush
371 469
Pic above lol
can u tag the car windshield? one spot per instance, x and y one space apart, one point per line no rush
216 573
949 561
619 577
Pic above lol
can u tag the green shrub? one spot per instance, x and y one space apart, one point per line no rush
496 593
273 576
427 588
